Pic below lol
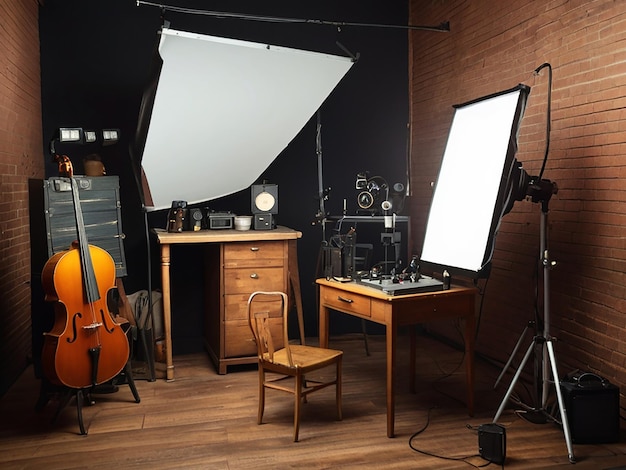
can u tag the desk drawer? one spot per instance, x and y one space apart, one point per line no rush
248 280
346 301
264 253
239 340
236 307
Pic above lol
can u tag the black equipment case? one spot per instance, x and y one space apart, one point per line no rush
592 407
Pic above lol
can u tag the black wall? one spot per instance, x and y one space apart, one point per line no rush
95 59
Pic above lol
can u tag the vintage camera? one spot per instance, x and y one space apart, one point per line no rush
373 193
176 216
195 219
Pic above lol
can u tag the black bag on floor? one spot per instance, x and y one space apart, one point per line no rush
592 407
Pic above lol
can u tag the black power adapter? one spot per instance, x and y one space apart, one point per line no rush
492 442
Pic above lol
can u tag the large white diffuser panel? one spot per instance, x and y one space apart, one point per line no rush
225 109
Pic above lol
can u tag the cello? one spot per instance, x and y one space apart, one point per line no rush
86 346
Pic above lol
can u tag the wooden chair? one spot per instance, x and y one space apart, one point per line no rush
266 312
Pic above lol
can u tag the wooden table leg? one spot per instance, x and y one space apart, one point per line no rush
391 373
323 333
412 361
294 281
167 310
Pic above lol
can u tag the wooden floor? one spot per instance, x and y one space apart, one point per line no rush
208 421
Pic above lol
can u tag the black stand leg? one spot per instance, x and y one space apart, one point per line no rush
44 395
79 410
128 372
68 393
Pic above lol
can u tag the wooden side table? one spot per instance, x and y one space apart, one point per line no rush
398 310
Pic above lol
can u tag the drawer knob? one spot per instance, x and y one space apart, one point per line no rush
254 248
254 276
343 299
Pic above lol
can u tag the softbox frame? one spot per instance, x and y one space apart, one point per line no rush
474 187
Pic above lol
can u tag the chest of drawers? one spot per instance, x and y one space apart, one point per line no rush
243 268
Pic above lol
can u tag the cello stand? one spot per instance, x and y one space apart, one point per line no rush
65 395
80 397
83 395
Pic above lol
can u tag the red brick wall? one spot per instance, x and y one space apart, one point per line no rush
20 159
492 46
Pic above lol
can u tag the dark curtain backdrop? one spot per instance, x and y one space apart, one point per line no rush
95 62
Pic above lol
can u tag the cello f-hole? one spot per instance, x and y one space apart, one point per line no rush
104 322
76 315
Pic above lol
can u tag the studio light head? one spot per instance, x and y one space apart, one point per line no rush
522 185
541 190
80 136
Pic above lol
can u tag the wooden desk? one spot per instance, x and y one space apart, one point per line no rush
222 236
394 311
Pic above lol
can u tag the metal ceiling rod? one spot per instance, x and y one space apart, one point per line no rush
443 27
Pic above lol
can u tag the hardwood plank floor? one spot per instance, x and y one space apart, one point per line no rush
208 421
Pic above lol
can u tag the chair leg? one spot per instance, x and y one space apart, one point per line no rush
338 389
296 411
261 394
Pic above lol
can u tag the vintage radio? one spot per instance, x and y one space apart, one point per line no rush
264 221
219 220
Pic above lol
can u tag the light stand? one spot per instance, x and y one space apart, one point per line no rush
541 192
323 193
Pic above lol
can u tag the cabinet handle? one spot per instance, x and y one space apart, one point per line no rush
254 248
343 299
254 276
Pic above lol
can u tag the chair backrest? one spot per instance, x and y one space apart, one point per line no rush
267 317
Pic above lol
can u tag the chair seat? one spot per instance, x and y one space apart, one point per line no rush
304 357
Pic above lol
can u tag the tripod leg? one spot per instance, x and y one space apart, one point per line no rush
513 353
559 396
513 382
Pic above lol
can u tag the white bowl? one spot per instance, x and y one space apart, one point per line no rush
243 222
